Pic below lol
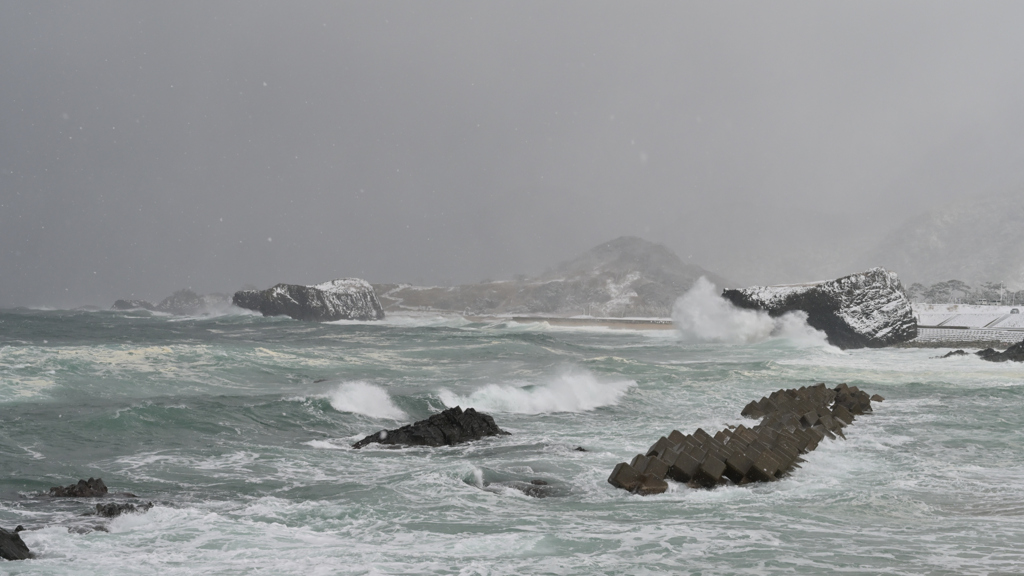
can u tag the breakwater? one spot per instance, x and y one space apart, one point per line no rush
793 422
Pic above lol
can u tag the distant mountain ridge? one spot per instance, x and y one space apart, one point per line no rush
627 276
975 240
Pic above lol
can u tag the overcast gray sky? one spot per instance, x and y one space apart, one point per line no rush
150 146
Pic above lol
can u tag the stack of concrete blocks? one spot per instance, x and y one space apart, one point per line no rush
793 422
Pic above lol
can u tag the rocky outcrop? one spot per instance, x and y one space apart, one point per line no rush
12 547
1014 353
869 309
344 299
115 509
91 488
453 426
793 422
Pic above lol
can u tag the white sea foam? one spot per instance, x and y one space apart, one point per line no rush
576 391
364 398
702 315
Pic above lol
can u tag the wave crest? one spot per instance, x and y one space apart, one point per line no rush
703 315
363 398
570 392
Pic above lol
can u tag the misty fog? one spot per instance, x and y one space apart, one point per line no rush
149 147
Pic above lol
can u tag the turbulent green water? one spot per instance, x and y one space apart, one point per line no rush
238 427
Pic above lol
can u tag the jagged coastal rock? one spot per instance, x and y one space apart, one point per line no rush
869 309
91 488
115 509
344 299
12 547
1014 353
453 426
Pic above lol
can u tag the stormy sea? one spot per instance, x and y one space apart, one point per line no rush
238 429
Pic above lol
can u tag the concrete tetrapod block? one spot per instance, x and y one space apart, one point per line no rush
684 468
842 414
752 410
876 398
650 485
829 422
810 418
709 474
639 463
763 468
624 476
737 466
659 447
656 467
824 431
676 437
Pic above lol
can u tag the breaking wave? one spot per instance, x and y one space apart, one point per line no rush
363 398
569 392
703 315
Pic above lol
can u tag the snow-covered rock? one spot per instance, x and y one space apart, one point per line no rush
344 299
869 309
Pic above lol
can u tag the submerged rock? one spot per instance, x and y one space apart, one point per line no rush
90 488
12 547
453 426
869 309
115 509
183 302
344 299
954 353
1014 353
133 305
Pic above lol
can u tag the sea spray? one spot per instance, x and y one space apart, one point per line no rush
702 315
572 391
363 398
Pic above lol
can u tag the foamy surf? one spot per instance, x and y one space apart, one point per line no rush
569 392
702 315
366 399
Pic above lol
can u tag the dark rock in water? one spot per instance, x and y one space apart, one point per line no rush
869 309
133 305
345 299
987 352
90 488
1014 353
12 547
453 426
115 509
954 353
579 449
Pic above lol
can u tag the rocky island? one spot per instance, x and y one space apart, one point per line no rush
343 299
869 309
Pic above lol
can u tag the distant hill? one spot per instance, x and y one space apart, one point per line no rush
975 240
627 276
